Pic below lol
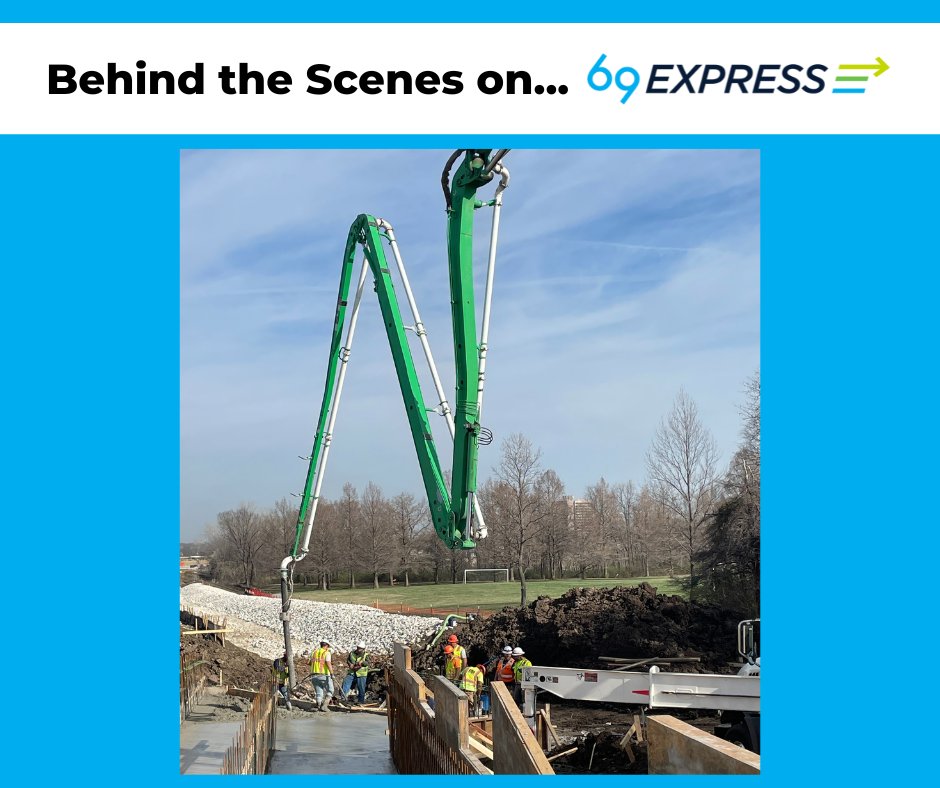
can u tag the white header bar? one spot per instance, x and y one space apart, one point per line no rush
653 79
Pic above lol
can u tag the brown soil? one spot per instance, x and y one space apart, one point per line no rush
587 623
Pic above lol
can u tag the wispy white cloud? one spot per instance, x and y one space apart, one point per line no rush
622 276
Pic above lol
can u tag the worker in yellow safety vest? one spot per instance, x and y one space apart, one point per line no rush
459 650
471 682
321 668
282 678
453 664
521 661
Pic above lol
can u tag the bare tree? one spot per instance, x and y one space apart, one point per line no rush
243 531
376 541
409 517
682 463
626 536
731 559
555 536
605 512
349 529
521 506
281 529
326 538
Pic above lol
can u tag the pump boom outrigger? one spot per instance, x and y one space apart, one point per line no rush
455 514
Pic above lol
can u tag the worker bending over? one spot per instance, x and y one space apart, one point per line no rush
357 670
282 678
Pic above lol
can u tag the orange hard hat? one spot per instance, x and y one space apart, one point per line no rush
452 639
448 649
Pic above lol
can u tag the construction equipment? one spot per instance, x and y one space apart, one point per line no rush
737 697
456 513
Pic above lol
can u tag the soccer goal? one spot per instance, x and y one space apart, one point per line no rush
504 572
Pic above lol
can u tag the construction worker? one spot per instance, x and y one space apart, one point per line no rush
282 678
357 670
321 668
459 650
453 665
520 662
502 667
471 682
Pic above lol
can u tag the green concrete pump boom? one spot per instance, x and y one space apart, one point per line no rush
454 513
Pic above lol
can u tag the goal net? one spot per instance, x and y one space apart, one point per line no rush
504 573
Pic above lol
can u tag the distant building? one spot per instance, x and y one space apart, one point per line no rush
579 512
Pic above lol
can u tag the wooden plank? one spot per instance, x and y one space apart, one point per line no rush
551 729
625 741
639 727
203 631
480 734
485 751
562 754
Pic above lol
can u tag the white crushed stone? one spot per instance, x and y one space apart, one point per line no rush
255 624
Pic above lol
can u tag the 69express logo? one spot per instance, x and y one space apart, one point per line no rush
779 78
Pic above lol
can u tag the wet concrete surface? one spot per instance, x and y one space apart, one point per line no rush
333 743
203 745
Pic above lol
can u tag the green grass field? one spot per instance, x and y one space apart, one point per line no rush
486 596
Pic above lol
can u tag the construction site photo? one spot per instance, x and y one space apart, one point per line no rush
567 580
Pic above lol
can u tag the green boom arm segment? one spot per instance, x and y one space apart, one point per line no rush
469 177
451 514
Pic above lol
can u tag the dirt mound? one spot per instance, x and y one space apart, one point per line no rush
239 668
587 623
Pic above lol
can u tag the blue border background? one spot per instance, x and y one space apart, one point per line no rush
91 321
430 11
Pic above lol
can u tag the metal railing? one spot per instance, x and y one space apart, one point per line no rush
251 749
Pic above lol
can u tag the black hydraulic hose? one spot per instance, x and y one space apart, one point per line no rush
445 176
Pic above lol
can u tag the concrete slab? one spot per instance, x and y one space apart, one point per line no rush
333 743
203 745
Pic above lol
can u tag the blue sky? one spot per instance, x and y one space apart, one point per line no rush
621 276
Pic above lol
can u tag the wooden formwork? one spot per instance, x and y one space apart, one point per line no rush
251 749
193 674
445 739
416 746
203 624
420 742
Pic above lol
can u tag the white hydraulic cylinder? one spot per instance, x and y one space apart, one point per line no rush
334 407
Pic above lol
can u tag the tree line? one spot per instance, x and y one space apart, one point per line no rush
689 518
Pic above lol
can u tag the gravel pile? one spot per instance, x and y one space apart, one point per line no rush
256 625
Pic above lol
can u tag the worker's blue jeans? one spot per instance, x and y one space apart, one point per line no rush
322 686
360 685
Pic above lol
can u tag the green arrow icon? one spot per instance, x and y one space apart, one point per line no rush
879 68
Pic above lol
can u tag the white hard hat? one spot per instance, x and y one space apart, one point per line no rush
360 644
507 650
517 652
